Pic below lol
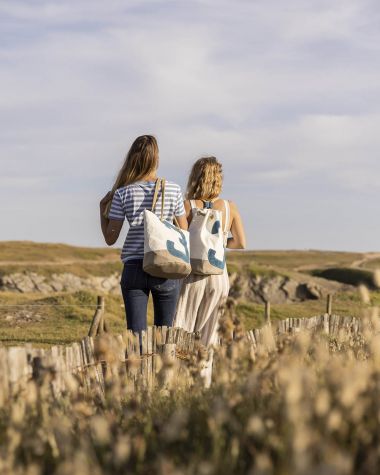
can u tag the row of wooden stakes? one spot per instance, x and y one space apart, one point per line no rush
139 358
99 324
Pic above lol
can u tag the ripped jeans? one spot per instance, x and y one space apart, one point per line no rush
136 286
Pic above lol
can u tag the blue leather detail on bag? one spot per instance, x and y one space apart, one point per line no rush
213 260
170 245
216 227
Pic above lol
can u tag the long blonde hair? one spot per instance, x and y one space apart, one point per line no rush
141 160
205 180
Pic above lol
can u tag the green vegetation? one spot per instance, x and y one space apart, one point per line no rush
251 268
344 303
48 325
294 259
69 321
346 275
372 264
55 319
254 269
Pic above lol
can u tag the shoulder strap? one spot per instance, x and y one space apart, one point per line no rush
163 184
227 209
160 183
193 204
155 196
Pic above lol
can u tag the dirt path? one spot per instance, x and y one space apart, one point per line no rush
369 256
366 257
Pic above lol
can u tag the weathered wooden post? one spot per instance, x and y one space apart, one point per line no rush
167 372
267 313
98 316
329 304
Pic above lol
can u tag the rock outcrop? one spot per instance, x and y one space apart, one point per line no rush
66 282
276 289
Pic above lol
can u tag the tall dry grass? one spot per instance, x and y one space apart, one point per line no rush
299 404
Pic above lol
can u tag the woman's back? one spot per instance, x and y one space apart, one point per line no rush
202 296
130 202
131 195
234 226
217 204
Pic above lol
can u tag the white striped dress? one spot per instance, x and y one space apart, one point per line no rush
201 298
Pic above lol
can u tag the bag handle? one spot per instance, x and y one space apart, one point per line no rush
227 216
163 184
175 220
155 196
160 183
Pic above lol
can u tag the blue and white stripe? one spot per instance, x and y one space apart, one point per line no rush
129 202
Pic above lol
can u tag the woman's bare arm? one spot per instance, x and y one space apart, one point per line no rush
238 240
110 227
189 214
182 222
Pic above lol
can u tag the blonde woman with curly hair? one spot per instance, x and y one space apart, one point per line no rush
202 296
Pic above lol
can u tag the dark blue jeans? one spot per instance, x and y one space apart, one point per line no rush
136 286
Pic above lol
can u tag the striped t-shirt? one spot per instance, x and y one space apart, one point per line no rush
130 202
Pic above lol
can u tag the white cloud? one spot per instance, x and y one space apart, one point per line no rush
283 93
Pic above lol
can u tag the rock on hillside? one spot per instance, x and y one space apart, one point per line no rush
66 282
254 288
276 289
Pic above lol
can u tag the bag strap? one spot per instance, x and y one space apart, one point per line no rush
160 183
193 204
155 196
163 184
227 209
207 204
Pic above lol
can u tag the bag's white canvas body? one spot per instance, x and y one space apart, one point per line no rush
166 246
208 240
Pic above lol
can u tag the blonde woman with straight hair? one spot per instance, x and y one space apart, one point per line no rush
202 296
131 194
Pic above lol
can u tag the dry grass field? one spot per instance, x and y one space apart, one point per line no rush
296 404
303 403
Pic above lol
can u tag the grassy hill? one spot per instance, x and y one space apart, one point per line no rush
64 317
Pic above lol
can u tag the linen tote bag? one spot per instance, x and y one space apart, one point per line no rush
166 246
208 240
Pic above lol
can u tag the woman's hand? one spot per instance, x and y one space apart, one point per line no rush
104 201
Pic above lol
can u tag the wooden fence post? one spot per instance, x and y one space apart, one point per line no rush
168 355
329 304
98 316
267 313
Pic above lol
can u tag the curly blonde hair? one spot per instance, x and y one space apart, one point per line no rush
205 180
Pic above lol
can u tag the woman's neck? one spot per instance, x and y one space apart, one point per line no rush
202 199
150 177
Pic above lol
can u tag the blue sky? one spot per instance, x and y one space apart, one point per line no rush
285 94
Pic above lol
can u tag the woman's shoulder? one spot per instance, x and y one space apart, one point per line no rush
122 190
172 189
172 184
223 201
126 188
169 186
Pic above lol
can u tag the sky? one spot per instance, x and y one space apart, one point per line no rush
285 94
